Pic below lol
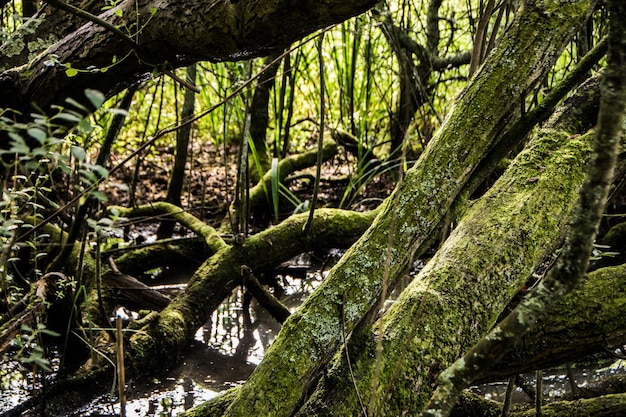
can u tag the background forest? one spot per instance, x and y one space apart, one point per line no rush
445 143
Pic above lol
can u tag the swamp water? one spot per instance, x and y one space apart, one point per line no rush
224 353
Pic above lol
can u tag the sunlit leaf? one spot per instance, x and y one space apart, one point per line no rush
120 112
71 72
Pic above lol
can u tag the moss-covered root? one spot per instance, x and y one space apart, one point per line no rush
215 407
169 334
211 236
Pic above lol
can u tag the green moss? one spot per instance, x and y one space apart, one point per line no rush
410 216
13 46
564 9
616 236
607 405
16 44
460 292
35 47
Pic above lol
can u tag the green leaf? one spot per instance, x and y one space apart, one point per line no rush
16 137
49 332
96 97
78 152
67 117
101 171
71 72
105 221
37 134
274 178
119 12
19 148
120 112
75 103
100 196
85 126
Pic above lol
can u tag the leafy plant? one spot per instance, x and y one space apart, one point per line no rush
30 350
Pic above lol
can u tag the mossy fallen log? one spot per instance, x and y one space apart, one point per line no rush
170 333
612 405
588 321
459 294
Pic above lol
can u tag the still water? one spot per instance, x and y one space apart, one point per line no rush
225 352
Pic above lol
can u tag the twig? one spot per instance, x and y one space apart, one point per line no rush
267 300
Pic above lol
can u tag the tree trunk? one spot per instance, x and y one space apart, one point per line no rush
586 322
613 405
259 117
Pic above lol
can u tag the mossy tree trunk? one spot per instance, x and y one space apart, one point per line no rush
571 333
459 294
587 321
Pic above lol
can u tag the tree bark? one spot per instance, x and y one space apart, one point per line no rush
259 116
586 322
607 406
